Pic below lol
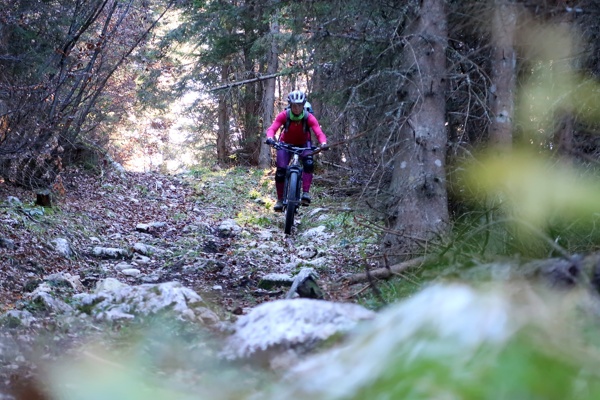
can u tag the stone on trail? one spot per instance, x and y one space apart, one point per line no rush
62 247
305 284
114 300
110 252
229 228
270 281
275 327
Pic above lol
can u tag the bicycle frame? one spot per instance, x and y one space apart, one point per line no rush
293 181
294 167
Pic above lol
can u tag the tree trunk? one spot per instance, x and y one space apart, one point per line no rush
268 103
254 28
223 118
504 60
419 211
565 120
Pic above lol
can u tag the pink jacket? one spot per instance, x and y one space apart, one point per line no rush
295 134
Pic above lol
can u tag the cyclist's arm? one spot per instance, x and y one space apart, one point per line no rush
277 123
314 125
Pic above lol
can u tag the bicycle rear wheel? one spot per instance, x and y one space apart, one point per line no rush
292 202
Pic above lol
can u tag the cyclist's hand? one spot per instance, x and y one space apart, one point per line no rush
270 141
324 146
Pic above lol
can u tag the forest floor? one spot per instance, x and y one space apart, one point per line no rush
185 212
214 231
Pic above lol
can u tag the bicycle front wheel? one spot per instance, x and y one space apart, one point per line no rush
292 202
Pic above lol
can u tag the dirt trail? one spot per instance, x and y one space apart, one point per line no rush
92 211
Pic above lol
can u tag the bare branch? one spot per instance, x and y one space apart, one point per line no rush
244 82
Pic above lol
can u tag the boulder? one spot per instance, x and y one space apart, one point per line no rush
114 301
290 326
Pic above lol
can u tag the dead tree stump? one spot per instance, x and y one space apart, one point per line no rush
44 198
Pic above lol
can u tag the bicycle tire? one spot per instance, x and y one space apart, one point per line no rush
292 202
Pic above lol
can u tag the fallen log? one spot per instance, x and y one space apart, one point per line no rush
384 273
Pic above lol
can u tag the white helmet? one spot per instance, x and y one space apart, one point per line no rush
296 97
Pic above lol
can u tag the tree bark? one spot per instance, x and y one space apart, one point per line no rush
268 105
223 118
419 209
565 120
504 61
254 28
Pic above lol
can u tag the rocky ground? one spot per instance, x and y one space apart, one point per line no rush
213 231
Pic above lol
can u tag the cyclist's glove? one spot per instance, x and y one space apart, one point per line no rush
324 146
270 141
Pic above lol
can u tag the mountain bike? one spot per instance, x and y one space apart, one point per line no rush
293 182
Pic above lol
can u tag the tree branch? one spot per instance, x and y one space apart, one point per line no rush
257 79
385 273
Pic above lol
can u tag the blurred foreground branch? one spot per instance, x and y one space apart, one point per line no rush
385 273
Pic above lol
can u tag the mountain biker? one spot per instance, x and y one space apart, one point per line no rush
296 132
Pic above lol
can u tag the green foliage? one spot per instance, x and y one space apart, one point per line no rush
161 358
520 369
234 191
254 219
533 206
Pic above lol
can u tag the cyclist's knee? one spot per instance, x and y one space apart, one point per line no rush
309 165
280 174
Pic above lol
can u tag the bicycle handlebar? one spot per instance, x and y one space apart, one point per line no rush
296 149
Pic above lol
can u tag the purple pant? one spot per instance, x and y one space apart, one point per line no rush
283 159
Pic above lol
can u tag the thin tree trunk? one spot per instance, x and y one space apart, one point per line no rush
223 118
419 211
565 120
268 104
504 61
253 28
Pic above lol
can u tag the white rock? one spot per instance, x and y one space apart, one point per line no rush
109 252
140 259
229 227
42 295
122 266
317 262
109 285
131 272
62 247
18 317
149 226
307 252
73 280
122 301
315 211
264 234
285 324
13 201
317 232
141 248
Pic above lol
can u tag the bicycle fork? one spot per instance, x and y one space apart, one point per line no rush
294 168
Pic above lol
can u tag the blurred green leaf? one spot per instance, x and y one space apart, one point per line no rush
535 189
